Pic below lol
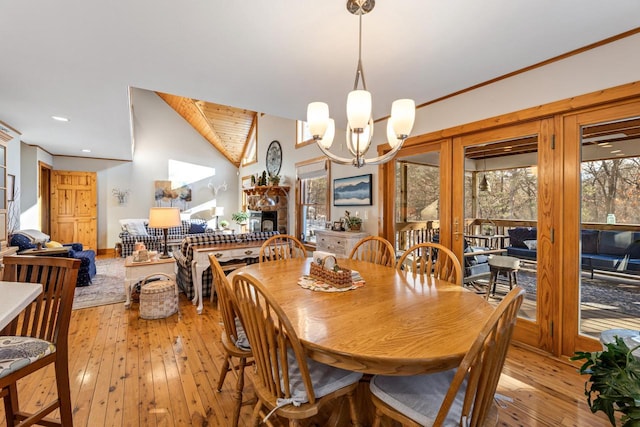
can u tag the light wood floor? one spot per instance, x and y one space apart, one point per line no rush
126 371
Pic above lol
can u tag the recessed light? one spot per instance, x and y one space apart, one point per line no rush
60 118
86 150
615 151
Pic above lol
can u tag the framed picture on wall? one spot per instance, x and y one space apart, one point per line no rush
352 191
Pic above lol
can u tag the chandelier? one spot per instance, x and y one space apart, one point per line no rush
359 131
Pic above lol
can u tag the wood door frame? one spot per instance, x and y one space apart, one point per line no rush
539 333
572 123
44 196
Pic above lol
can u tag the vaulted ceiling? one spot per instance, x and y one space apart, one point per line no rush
79 59
226 128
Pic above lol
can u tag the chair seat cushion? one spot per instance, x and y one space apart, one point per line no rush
242 342
419 397
17 352
325 379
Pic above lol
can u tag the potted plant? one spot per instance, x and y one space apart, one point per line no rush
240 217
274 180
224 223
354 223
614 382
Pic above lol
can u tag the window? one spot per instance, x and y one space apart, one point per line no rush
303 136
251 148
313 209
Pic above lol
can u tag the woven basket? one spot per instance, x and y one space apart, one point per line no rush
338 277
158 299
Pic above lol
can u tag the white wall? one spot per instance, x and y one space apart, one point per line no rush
160 135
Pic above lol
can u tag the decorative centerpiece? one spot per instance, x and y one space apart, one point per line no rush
336 276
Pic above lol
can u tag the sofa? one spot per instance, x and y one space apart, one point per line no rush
29 239
184 256
138 230
606 250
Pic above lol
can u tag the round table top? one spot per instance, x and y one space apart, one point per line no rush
395 324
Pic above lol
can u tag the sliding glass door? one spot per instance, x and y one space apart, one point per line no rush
602 217
503 220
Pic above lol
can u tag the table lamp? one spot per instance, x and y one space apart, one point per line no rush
218 211
164 218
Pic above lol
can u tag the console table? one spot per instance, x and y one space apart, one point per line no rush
224 252
338 242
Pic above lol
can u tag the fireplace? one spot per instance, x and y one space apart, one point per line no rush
269 221
268 206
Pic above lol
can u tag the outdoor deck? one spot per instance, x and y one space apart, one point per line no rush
609 301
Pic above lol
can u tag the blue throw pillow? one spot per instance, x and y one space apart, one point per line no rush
197 227
22 242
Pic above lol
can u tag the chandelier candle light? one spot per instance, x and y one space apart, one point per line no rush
360 122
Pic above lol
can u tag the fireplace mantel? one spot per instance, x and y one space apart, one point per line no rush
278 200
262 189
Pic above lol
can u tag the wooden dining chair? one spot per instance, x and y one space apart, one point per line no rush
234 340
462 396
432 259
282 246
39 336
375 249
287 383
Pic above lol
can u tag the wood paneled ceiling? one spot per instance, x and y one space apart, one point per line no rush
623 130
226 128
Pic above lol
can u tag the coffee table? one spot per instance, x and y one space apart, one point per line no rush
46 251
136 271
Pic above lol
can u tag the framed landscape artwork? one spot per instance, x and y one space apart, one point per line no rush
352 191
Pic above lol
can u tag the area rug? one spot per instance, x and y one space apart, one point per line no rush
107 287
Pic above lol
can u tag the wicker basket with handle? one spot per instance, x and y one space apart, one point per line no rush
338 277
158 299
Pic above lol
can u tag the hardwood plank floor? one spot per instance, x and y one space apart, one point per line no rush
126 371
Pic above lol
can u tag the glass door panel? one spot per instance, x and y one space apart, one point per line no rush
610 232
501 206
413 200
502 221
603 274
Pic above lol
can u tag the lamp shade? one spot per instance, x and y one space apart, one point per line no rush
317 118
218 211
358 108
329 134
403 114
392 138
164 217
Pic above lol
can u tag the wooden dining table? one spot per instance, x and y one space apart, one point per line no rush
396 324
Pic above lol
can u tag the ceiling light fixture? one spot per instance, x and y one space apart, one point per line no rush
484 184
60 118
359 119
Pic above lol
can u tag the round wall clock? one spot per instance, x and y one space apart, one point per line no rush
274 158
